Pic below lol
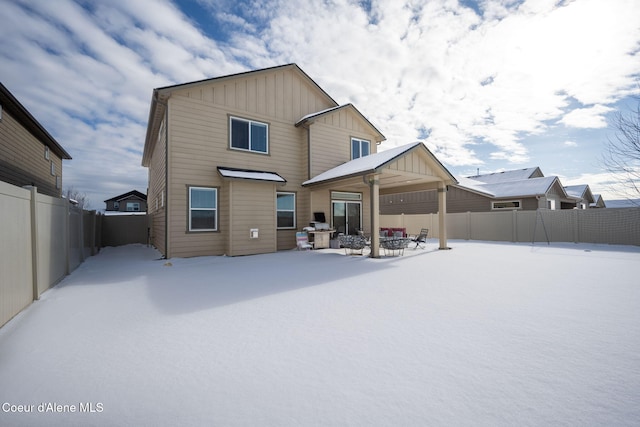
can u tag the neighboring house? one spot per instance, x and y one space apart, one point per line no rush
240 163
29 155
582 194
133 201
522 189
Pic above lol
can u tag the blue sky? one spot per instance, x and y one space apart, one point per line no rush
489 85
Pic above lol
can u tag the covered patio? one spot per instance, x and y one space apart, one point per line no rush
407 168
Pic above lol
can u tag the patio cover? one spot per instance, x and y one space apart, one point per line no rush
410 167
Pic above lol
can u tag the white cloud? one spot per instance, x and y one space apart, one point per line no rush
570 144
480 84
585 118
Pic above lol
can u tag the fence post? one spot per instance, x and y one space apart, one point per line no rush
34 241
67 236
576 231
81 234
514 229
93 232
468 225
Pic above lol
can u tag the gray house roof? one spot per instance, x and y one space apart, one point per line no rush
513 188
580 192
514 175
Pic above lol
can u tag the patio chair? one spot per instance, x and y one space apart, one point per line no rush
302 241
421 239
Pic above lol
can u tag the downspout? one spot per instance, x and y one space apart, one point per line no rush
308 152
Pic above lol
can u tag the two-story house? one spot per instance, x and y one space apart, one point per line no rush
132 201
29 155
239 163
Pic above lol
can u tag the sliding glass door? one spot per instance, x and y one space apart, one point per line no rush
347 217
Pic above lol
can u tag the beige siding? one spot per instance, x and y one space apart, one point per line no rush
22 159
199 143
157 192
280 94
245 197
331 139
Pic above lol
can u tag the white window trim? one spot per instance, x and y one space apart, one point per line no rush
360 141
249 150
285 210
551 204
53 168
197 230
46 153
493 205
133 205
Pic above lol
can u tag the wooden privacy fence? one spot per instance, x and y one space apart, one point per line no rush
43 239
610 226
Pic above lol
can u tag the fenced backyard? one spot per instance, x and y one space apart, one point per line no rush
45 238
609 226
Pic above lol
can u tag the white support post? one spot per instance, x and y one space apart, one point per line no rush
442 215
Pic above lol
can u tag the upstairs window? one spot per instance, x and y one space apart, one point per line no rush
249 135
133 207
359 148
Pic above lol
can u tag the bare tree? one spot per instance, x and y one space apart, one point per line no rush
622 154
71 193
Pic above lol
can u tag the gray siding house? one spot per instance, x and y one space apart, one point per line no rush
133 201
521 189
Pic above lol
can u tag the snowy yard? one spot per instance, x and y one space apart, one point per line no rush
486 334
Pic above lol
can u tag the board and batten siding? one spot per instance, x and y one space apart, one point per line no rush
331 140
245 196
199 143
22 159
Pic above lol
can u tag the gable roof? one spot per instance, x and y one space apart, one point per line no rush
310 118
521 188
22 115
512 188
372 163
130 194
512 175
161 95
581 191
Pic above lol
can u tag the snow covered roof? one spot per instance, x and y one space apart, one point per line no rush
524 187
519 188
366 164
309 118
578 191
250 174
514 175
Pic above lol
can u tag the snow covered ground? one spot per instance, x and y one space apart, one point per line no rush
487 334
